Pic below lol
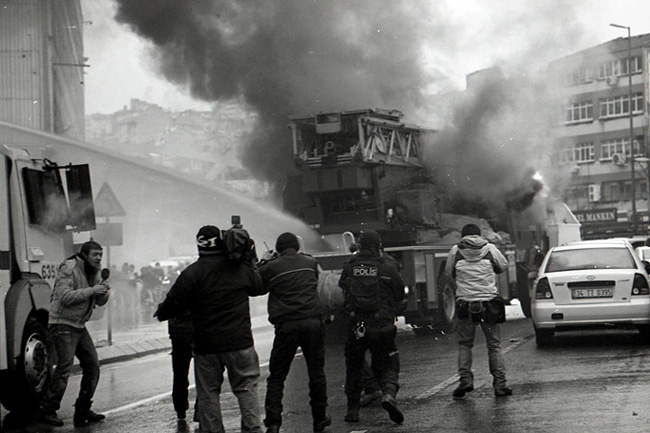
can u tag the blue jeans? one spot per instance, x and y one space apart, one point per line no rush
466 330
68 343
308 334
243 373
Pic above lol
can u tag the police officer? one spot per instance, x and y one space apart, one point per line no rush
374 291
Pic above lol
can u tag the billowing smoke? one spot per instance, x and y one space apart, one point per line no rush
288 57
300 57
497 137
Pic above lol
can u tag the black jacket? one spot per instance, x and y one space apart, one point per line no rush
215 291
291 279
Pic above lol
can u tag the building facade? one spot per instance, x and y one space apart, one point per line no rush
41 66
592 141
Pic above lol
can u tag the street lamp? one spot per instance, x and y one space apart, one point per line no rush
629 75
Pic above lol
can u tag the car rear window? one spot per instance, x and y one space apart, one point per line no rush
590 258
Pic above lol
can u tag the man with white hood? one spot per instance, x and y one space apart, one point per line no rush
474 264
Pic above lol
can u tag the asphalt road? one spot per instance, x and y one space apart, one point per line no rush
586 382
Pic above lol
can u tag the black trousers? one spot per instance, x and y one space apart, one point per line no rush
309 335
380 341
181 358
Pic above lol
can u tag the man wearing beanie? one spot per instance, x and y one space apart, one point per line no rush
474 263
215 290
291 279
374 291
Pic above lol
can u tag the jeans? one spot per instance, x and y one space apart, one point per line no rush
308 334
68 343
380 341
181 358
243 373
466 330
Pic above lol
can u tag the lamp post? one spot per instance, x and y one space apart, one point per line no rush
632 162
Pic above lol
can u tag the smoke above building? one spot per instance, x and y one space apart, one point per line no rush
300 57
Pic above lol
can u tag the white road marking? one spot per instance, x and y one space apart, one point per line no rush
151 399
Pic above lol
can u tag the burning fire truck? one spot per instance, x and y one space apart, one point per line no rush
42 203
365 169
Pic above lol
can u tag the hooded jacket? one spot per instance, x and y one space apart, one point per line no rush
474 263
73 299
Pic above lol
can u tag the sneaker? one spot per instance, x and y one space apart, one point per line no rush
274 428
503 392
49 418
462 390
371 398
352 415
320 425
389 404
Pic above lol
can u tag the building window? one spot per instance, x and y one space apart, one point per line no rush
579 112
620 105
583 152
579 75
622 190
619 67
620 145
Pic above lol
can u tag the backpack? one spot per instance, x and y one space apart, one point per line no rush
364 291
239 246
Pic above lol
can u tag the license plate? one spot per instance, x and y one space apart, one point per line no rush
605 292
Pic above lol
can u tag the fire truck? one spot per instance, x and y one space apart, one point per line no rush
41 204
365 169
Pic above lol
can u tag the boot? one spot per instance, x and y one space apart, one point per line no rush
389 404
49 418
320 425
83 415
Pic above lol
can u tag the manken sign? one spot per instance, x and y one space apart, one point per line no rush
596 216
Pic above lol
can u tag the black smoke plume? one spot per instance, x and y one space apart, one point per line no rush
487 158
288 57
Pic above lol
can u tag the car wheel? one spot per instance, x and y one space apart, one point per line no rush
544 337
644 330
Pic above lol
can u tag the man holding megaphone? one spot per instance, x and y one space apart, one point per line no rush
78 288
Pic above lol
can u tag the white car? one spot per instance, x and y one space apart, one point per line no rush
591 284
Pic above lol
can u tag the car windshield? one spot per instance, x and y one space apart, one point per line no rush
590 258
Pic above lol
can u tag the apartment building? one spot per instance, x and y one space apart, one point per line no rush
41 66
592 140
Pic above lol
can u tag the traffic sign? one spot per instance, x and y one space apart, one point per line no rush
108 234
107 204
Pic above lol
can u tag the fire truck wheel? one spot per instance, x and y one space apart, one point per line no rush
445 315
33 368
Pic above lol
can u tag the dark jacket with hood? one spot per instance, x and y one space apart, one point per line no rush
474 263
215 291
